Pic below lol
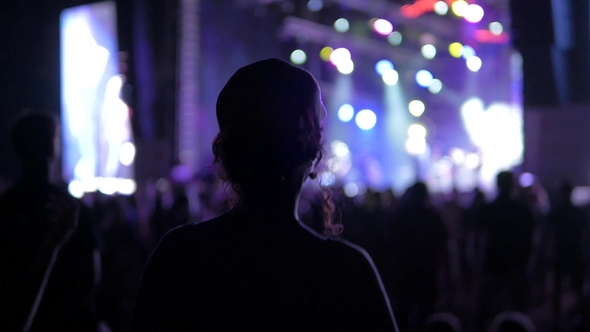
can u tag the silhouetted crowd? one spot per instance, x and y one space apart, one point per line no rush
449 262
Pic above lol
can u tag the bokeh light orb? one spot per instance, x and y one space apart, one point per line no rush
459 8
345 113
428 51
341 25
416 108
441 8
424 78
76 188
456 50
416 131
468 52
315 5
298 57
436 86
366 119
526 180
382 66
474 13
339 148
395 38
340 55
496 28
382 26
474 63
346 67
390 77
127 153
351 189
416 146
325 53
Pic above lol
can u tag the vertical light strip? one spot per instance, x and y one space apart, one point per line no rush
188 83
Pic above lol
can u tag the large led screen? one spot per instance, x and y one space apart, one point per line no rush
98 150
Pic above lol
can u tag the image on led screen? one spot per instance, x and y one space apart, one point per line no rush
98 149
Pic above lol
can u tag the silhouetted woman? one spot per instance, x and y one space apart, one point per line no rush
257 267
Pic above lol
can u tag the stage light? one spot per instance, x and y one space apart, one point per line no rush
315 5
390 77
382 66
458 156
459 7
76 188
126 187
468 52
474 63
325 53
456 50
382 27
526 180
441 8
366 119
298 57
472 161
127 153
395 38
108 185
424 78
345 113
496 28
346 67
428 51
416 108
341 25
339 148
416 131
436 86
340 55
416 146
351 189
474 13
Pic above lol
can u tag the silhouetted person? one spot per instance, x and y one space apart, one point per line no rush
505 230
510 321
47 248
257 267
569 226
419 250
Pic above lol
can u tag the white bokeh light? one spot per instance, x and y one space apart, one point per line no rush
416 146
298 57
366 119
127 153
390 77
345 113
108 185
468 52
395 38
428 51
126 187
474 13
416 108
382 27
436 86
351 189
441 8
459 7
474 63
424 78
340 55
496 28
416 131
76 188
341 25
346 67
382 66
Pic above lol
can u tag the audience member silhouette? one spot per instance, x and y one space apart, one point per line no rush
511 321
506 230
47 247
419 256
257 267
569 226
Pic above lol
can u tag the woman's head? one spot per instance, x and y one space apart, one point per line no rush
269 115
